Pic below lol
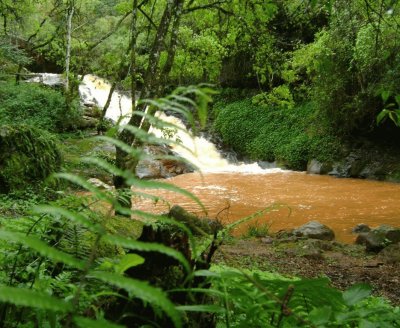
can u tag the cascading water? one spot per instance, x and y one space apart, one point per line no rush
203 154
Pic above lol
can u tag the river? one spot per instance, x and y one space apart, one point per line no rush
231 191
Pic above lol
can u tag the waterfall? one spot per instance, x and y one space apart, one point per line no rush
204 154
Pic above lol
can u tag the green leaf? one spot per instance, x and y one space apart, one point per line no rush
385 95
92 323
128 261
147 247
31 298
166 186
320 316
397 98
85 184
42 248
381 116
356 294
75 217
143 291
201 308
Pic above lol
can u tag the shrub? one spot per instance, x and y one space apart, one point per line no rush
280 97
36 105
27 155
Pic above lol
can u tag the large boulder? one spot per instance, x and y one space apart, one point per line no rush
27 155
315 230
378 238
160 164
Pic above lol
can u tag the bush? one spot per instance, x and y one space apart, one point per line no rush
27 155
283 134
36 105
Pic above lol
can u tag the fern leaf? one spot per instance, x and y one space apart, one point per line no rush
147 247
42 248
143 291
74 217
30 298
146 184
137 153
201 308
83 322
128 261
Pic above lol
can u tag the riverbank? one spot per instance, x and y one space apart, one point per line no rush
345 265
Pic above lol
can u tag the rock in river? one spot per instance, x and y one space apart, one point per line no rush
315 230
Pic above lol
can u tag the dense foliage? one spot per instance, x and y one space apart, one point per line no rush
27 155
41 107
286 135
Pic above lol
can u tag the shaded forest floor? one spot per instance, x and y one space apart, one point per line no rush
344 265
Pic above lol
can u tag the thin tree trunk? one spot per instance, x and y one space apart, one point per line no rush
150 81
121 157
173 44
70 14
150 87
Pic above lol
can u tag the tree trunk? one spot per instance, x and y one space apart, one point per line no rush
173 45
70 14
151 82
121 157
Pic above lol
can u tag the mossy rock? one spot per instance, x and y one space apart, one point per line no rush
27 156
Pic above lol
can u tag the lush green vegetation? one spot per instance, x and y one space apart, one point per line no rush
298 78
288 135
35 105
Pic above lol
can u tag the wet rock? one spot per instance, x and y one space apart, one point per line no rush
315 230
100 184
148 169
267 165
87 122
158 167
361 228
379 238
391 254
316 167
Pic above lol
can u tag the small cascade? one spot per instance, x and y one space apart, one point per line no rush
204 154
95 90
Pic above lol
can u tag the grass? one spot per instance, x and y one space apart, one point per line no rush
257 230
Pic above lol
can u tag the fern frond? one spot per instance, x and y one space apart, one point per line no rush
42 248
147 184
72 216
135 152
147 247
143 291
30 298
86 185
201 308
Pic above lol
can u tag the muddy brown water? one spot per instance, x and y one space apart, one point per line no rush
339 203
